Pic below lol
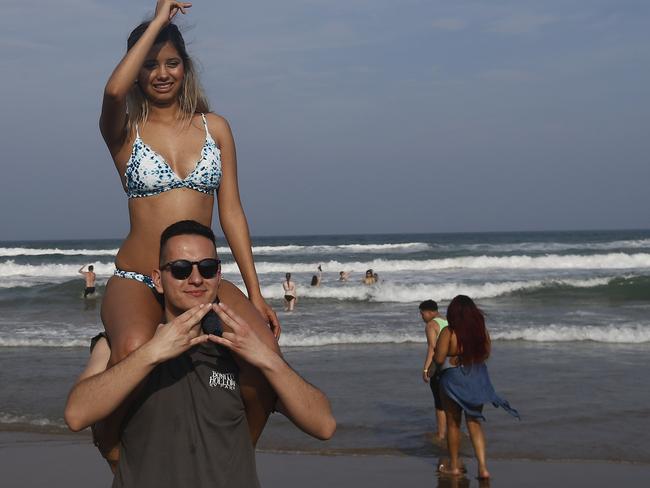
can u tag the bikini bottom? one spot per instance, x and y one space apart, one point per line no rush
142 278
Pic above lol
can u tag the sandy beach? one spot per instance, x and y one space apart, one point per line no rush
70 461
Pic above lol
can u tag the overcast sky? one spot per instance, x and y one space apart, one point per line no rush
351 116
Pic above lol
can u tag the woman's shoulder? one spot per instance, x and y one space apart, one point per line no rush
216 121
218 127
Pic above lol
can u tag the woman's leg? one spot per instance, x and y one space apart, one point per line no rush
258 396
441 422
478 441
453 414
130 313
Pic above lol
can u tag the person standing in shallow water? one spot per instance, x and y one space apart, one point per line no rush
462 349
434 324
89 278
172 155
290 297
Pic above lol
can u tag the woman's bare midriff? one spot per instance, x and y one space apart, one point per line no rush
150 216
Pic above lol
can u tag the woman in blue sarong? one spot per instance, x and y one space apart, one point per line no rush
461 351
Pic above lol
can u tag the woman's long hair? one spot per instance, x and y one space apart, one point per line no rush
467 322
191 97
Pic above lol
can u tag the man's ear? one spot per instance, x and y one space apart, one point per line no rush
157 281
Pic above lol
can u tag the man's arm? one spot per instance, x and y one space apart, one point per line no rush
304 404
432 331
81 270
98 391
300 401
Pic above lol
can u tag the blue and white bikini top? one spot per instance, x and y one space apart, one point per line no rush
148 174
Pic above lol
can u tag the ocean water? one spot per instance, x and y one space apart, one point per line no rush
569 314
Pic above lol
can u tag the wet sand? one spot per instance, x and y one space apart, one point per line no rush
48 461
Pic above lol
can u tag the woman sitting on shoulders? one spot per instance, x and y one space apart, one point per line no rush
173 156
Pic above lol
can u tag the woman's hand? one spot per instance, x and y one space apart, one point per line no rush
167 9
269 315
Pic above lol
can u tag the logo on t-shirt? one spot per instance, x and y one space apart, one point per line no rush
223 380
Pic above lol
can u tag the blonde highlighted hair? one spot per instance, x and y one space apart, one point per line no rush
191 97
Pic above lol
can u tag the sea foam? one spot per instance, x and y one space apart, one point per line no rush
551 261
630 334
547 247
10 268
405 247
391 292
41 342
32 251
627 334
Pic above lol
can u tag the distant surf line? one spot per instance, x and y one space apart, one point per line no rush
262 250
624 334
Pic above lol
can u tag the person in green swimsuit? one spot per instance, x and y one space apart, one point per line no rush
434 323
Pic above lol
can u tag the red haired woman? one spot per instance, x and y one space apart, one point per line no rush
461 352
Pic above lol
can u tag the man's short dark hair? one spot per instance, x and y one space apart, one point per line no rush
185 228
91 267
429 305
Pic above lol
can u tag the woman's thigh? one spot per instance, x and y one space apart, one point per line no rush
130 313
452 409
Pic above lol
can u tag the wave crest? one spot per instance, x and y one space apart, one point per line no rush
634 334
550 261
32 251
390 292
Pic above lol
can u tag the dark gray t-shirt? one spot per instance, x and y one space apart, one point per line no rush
188 428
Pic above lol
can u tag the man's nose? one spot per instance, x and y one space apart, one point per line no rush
195 278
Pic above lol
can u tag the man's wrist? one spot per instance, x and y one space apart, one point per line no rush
149 354
272 362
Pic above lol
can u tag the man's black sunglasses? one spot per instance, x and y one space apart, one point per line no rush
181 269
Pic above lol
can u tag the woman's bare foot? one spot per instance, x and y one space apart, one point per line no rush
445 463
446 469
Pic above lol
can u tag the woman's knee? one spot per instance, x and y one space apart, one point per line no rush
234 298
472 422
125 344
